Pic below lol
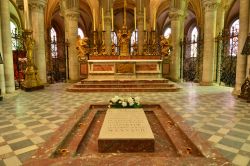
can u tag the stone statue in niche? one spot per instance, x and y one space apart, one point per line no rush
29 44
83 48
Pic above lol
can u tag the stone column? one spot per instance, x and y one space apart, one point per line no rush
108 26
2 79
39 37
210 7
140 24
220 25
248 57
107 32
6 45
176 17
71 32
242 59
140 27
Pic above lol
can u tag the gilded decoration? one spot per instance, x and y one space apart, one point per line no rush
32 80
83 48
124 39
166 46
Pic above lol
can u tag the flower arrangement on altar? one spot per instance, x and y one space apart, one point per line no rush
128 102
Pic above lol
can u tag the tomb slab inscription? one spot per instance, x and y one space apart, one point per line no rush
125 130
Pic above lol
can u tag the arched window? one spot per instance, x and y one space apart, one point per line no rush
194 37
80 33
167 32
234 31
114 40
14 33
53 38
133 40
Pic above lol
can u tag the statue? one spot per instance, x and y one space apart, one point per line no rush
83 48
32 80
166 47
124 39
29 44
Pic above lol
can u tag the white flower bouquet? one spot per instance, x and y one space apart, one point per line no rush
129 102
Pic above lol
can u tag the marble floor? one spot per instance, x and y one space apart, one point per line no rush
28 119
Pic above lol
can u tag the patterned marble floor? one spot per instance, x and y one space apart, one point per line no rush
27 119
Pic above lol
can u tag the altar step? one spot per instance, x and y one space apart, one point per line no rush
123 81
161 85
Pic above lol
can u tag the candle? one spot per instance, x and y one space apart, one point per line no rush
102 20
112 19
94 19
145 19
135 17
154 19
140 6
26 14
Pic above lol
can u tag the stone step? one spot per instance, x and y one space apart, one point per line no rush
121 85
154 89
123 81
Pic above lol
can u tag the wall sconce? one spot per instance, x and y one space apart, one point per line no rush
1 59
246 48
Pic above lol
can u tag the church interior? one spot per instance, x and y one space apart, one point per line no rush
63 61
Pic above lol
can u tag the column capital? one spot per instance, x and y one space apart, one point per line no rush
72 14
176 14
210 5
38 4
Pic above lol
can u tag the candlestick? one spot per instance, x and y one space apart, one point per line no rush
102 20
26 14
154 20
94 19
112 19
125 13
145 19
135 17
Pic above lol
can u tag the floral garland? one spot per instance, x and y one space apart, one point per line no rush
129 102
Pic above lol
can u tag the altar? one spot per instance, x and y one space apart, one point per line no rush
125 69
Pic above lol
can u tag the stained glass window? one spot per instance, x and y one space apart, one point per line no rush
234 31
114 40
133 40
167 33
13 30
80 33
53 38
194 37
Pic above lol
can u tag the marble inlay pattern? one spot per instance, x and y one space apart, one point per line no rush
27 119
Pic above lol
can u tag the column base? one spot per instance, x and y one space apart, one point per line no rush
236 92
30 89
206 83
